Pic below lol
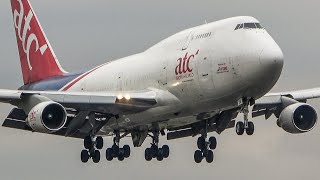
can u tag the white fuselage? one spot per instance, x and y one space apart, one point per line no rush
209 68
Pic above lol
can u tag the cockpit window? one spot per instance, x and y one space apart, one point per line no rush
259 25
249 26
237 27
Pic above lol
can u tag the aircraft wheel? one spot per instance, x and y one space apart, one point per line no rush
148 154
212 142
209 156
115 150
250 129
160 156
109 154
240 128
154 150
201 143
165 151
84 156
121 155
126 151
87 142
198 156
99 142
96 156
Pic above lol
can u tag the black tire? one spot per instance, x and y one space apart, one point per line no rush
213 142
250 129
160 156
209 157
99 142
240 128
165 151
201 143
154 150
121 155
126 151
84 156
115 150
87 143
96 156
278 123
148 154
109 154
198 156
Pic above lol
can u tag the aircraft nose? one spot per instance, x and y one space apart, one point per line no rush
271 59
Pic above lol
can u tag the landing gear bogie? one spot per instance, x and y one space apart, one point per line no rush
205 146
245 126
155 151
91 149
205 149
115 151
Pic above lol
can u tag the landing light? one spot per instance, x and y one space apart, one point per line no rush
120 97
176 84
127 97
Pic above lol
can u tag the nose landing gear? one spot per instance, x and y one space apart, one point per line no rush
246 125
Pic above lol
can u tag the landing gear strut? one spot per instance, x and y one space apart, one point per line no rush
91 149
205 147
115 151
246 125
154 151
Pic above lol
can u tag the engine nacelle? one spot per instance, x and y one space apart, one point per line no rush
47 117
298 118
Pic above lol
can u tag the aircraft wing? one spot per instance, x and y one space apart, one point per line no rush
103 102
272 103
85 106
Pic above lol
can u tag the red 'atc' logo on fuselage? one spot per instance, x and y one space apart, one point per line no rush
183 69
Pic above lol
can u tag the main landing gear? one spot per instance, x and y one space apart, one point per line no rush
91 149
246 125
115 151
205 147
154 151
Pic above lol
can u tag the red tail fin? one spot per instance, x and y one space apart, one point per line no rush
37 58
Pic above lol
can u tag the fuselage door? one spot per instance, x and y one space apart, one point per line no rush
163 73
205 74
188 40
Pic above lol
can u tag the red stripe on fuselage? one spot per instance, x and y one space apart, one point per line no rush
79 78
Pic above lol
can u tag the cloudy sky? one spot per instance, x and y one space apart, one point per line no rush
88 33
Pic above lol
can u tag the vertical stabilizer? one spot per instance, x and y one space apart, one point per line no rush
37 58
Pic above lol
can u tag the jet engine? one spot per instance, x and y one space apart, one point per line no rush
47 117
298 118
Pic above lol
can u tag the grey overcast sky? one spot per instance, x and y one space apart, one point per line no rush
88 33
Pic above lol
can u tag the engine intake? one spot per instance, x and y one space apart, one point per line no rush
298 118
47 117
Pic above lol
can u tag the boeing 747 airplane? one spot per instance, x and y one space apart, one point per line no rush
190 84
